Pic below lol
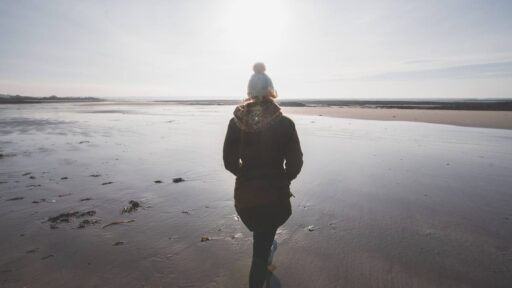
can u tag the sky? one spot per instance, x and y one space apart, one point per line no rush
199 49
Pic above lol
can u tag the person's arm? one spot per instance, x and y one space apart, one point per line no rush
293 155
231 150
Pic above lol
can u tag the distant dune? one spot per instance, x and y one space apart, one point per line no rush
18 99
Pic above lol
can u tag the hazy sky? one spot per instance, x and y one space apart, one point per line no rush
205 49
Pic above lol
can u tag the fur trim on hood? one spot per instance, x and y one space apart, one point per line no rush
257 114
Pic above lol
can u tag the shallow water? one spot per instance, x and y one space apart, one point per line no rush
393 204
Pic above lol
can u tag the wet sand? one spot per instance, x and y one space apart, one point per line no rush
390 203
484 119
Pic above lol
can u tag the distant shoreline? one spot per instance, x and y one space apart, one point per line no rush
473 105
427 104
466 114
18 99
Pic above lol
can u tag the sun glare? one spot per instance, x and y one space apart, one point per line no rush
254 29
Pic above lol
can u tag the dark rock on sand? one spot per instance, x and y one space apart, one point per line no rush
39 201
5 155
32 251
312 228
65 217
63 178
132 207
47 256
106 183
32 177
119 243
26 174
87 222
158 181
86 199
15 198
43 200
95 175
178 180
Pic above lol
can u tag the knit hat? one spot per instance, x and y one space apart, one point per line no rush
260 83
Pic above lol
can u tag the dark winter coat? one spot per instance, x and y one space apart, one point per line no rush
263 151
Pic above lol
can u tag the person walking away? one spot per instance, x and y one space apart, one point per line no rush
262 149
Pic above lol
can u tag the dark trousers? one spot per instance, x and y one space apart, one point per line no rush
260 252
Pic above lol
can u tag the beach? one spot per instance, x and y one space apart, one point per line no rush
484 119
422 200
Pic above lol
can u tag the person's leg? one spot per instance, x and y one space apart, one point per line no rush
261 251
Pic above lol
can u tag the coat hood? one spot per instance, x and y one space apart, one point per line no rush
255 115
